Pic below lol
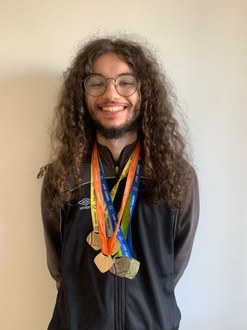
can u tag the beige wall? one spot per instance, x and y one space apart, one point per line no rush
203 46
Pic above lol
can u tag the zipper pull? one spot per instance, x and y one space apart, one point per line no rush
117 170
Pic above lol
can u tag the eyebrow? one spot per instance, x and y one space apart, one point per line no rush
123 73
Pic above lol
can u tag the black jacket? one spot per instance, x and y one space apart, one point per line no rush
162 242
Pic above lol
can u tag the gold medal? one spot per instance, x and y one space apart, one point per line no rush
121 266
115 247
133 269
103 262
93 240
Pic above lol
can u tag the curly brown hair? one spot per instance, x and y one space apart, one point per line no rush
167 173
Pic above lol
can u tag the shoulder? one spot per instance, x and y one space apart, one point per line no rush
51 173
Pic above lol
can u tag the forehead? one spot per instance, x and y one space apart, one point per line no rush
110 65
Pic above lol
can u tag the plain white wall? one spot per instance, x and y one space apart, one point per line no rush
203 47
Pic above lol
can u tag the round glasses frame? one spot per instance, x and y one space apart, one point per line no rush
100 90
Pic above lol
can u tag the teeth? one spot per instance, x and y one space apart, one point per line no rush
112 109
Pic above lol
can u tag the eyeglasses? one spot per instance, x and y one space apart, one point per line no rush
125 84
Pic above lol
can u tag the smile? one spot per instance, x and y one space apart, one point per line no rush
112 108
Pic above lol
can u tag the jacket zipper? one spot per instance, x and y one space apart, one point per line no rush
119 286
119 303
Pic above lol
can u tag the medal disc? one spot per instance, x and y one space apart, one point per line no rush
115 247
133 270
93 240
121 266
103 262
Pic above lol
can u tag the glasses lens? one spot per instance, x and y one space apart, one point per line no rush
95 85
126 85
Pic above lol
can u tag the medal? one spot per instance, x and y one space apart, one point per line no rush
103 262
115 247
121 266
133 270
93 240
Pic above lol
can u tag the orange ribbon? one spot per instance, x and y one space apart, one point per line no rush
106 244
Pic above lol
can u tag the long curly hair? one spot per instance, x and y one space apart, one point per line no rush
166 171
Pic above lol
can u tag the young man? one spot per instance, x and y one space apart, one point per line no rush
119 201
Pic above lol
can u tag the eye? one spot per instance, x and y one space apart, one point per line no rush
126 81
96 84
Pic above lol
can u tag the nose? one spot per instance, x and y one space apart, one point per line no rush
111 92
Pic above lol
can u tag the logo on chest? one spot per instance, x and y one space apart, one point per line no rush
84 204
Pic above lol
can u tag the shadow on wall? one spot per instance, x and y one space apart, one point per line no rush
26 102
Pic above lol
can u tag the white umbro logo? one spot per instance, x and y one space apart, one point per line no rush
84 204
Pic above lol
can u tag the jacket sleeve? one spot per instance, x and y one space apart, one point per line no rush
186 224
51 224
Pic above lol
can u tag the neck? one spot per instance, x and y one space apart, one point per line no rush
117 145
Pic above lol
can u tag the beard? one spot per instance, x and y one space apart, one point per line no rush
132 124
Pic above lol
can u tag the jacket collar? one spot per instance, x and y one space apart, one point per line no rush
111 168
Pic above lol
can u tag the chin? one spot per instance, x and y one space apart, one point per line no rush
117 131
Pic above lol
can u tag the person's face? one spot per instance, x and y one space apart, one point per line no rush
113 114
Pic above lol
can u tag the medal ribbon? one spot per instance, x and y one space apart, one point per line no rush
107 246
98 199
126 247
113 194
133 200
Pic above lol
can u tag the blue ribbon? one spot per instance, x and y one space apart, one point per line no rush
125 244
